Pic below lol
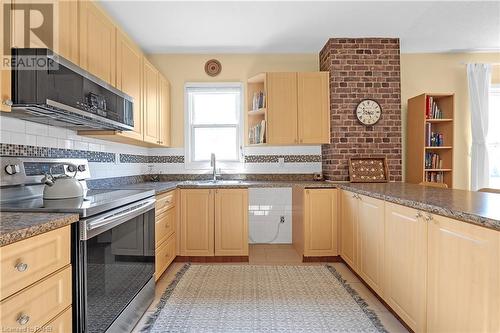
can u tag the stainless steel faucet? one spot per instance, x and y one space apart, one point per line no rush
213 165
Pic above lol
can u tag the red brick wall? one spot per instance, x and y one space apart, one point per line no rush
362 68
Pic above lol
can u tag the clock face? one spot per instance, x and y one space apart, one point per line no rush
368 112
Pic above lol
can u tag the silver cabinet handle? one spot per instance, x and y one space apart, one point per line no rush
7 102
21 267
418 215
23 319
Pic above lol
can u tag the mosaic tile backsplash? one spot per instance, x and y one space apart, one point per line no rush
113 160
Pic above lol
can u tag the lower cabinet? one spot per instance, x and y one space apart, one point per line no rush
405 262
231 222
436 273
463 285
165 231
371 241
349 229
214 222
61 324
314 230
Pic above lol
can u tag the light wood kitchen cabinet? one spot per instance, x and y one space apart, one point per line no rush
405 264
313 95
349 229
231 222
164 114
314 230
68 46
27 261
197 222
61 324
37 304
463 282
165 231
97 42
282 108
371 241
151 103
4 73
296 108
129 79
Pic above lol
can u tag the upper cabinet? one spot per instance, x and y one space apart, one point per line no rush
68 46
129 79
151 103
282 108
165 112
97 42
313 107
288 108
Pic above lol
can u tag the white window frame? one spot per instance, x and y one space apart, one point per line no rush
189 127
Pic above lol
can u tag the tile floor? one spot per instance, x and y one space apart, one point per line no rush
285 254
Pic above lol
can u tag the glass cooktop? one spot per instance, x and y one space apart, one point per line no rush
95 202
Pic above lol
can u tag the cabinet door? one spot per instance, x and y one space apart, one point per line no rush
231 222
5 83
68 30
97 42
463 278
405 264
349 229
313 97
371 241
151 103
282 108
320 222
129 78
197 222
164 114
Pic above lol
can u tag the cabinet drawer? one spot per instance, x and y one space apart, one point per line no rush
164 226
165 254
37 304
61 324
27 261
164 202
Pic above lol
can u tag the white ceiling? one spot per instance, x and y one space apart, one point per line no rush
305 26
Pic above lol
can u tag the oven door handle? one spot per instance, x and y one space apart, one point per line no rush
119 215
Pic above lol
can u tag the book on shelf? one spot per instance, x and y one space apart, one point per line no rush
433 139
433 161
432 110
259 100
257 133
434 176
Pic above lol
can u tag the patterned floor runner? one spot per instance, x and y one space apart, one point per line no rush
248 298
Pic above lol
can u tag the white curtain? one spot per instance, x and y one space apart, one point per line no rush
479 78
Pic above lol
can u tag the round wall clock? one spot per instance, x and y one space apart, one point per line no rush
213 67
368 112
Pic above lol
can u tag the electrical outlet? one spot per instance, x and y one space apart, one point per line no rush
282 219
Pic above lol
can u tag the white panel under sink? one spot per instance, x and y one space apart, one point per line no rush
266 206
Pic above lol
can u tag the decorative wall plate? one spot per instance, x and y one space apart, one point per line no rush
213 67
368 170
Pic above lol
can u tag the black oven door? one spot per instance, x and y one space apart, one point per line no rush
116 262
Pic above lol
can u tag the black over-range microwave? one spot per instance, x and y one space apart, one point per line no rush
48 89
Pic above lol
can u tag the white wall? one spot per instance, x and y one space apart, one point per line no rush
266 205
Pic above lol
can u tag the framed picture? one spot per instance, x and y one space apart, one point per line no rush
368 170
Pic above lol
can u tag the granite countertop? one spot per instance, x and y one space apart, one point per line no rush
473 207
16 226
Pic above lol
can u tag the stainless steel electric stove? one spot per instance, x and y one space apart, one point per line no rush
112 246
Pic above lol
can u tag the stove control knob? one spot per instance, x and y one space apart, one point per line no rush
81 167
12 169
71 168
